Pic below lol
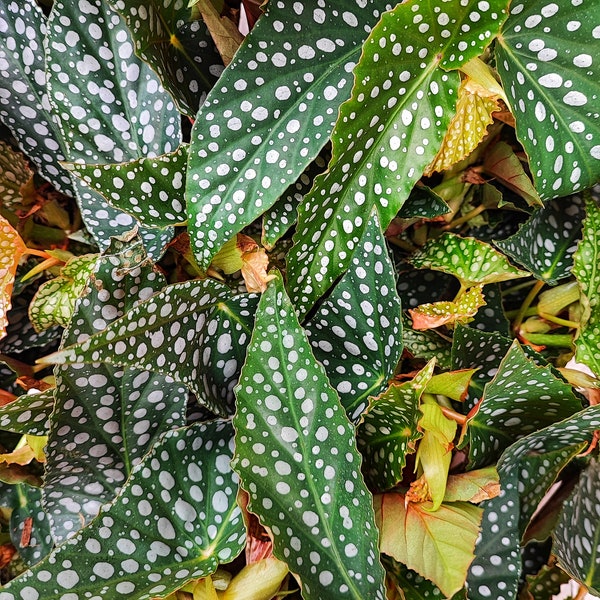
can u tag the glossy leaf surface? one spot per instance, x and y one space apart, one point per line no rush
545 244
576 537
87 45
155 335
546 60
289 419
29 414
105 418
586 269
231 180
175 520
521 398
14 172
359 341
149 189
25 108
527 470
389 430
176 45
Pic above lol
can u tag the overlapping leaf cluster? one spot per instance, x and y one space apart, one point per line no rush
346 324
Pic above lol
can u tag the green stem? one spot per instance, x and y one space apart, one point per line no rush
465 218
559 321
527 303
548 339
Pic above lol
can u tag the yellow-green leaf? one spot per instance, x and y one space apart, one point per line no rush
437 545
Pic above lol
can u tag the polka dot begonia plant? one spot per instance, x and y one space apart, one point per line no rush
323 296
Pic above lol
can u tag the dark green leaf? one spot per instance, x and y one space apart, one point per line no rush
195 331
423 203
105 418
28 414
417 287
284 213
545 244
586 269
577 534
14 169
29 526
177 46
527 470
521 398
546 583
385 136
389 430
296 456
24 107
546 58
357 331
491 317
426 345
176 519
281 92
149 189
111 106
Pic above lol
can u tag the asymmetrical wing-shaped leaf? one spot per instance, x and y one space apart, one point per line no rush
176 45
195 331
389 430
546 242
357 331
14 173
423 203
294 69
12 248
296 456
176 519
527 470
24 107
577 534
437 545
468 127
149 189
54 302
29 414
436 314
111 106
586 269
105 418
521 398
387 133
546 57
468 259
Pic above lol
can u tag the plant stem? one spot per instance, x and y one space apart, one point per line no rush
465 218
452 414
559 321
527 303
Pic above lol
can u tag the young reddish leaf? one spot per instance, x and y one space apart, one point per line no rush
12 247
473 486
436 314
439 545
468 127
470 260
502 163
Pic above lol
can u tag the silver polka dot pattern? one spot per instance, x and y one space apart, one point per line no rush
271 113
105 418
111 106
547 59
296 455
357 332
24 104
29 414
527 470
176 519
